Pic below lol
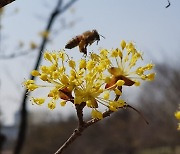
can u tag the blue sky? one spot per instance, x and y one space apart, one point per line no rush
154 29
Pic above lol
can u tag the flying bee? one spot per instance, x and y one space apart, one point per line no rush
83 40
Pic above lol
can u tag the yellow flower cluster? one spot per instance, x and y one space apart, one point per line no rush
177 115
92 79
126 59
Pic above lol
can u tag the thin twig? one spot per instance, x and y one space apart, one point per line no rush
138 113
78 131
14 55
74 135
168 4
82 125
79 109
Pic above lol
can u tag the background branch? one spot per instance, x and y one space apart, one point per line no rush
168 4
14 55
5 2
23 112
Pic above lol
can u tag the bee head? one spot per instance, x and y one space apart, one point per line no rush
97 35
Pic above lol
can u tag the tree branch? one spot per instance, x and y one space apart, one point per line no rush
79 109
14 55
168 4
5 2
23 112
83 125
78 131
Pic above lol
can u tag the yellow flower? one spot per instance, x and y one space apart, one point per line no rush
63 103
38 101
177 115
51 105
35 73
123 44
96 114
82 64
72 64
30 85
123 64
55 78
91 87
84 82
178 126
88 82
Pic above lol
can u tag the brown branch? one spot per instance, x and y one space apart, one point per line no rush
79 109
139 113
83 125
78 131
5 2
74 136
14 55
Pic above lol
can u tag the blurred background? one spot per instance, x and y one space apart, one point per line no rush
30 129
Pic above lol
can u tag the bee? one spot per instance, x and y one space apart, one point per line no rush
83 40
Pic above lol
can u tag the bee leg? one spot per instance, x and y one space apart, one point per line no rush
82 47
84 50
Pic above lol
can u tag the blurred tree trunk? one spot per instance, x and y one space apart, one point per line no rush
23 112
2 139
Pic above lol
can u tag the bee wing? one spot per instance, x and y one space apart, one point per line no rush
89 37
86 34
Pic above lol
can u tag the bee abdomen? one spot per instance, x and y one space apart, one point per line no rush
73 42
